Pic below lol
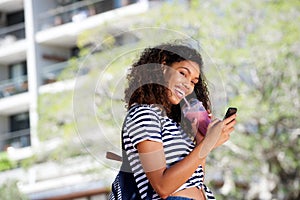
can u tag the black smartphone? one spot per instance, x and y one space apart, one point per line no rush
230 111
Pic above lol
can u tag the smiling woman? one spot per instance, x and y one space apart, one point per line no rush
163 148
181 79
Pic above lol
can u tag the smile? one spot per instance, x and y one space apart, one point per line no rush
179 93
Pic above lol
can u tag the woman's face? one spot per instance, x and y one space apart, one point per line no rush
181 78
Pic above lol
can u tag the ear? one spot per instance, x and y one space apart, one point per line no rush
164 67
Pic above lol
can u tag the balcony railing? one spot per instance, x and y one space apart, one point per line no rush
12 33
13 86
63 71
78 11
16 139
50 73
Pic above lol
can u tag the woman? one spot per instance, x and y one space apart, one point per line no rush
164 149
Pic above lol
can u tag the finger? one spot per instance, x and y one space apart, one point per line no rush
230 119
215 120
227 130
231 123
210 115
194 121
194 126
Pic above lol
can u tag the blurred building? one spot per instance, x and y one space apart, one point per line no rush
37 37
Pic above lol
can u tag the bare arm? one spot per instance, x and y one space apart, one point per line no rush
166 180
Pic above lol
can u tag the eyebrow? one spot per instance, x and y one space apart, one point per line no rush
186 68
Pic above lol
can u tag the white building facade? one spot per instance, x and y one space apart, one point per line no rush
37 37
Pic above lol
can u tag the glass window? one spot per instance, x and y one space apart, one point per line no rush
19 135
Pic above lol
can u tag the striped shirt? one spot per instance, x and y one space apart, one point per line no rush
148 122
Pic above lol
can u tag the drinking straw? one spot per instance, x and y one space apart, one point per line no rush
187 103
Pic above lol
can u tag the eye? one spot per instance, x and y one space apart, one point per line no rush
194 82
182 73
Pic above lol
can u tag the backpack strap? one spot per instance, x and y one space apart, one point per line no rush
125 162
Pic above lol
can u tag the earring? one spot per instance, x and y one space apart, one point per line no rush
164 68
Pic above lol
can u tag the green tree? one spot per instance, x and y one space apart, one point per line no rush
9 190
253 47
261 70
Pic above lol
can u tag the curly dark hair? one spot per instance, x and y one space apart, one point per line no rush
146 84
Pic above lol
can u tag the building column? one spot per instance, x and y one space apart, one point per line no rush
30 9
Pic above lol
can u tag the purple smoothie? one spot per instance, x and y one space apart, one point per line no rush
195 110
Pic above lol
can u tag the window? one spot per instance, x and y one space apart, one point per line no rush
17 70
17 79
16 22
19 121
19 135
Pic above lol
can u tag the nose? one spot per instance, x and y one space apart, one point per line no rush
185 85
188 87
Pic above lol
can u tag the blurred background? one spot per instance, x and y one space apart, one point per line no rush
63 66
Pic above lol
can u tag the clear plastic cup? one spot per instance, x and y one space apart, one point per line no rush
194 109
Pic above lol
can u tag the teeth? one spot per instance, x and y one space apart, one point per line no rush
180 91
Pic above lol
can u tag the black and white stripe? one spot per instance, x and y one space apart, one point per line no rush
148 122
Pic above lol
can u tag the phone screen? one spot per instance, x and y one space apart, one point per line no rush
230 111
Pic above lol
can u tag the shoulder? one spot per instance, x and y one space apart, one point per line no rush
143 122
140 110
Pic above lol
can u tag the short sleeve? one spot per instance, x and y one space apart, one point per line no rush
144 124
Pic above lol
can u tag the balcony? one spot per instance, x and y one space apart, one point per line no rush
16 139
62 25
63 71
10 34
9 6
12 43
50 73
73 12
13 86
